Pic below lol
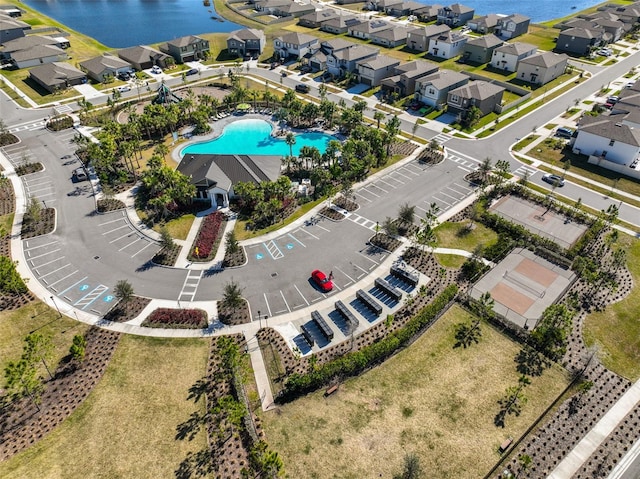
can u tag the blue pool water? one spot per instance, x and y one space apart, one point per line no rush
253 137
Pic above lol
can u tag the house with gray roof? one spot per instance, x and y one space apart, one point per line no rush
483 95
607 140
339 25
57 76
418 38
433 89
403 9
391 38
142 57
383 5
480 50
37 55
541 68
187 49
365 29
507 56
315 19
345 60
447 45
246 41
318 60
287 8
26 43
427 13
295 45
455 15
105 67
580 40
214 176
373 70
512 26
10 28
485 24
403 82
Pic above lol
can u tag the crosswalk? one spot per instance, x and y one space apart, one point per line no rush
190 286
442 138
37 125
524 170
465 163
362 221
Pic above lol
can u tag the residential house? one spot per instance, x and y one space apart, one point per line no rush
485 24
403 83
246 41
365 29
480 50
512 26
433 89
608 140
447 45
579 41
345 60
34 50
187 49
427 13
383 5
373 70
483 95
315 19
31 41
404 8
390 38
541 68
318 60
339 25
10 11
57 76
455 15
418 38
10 28
287 8
613 29
105 67
142 57
295 45
507 56
214 176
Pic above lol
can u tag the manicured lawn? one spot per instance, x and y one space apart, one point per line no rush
616 330
431 400
179 227
450 260
127 426
456 235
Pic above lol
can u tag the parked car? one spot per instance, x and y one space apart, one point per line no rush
80 174
156 70
554 180
193 71
302 88
564 132
630 84
124 88
322 281
124 76
613 99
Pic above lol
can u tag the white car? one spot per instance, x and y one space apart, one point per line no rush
156 70
123 89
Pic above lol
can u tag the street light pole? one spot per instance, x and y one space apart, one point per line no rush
56 305
259 320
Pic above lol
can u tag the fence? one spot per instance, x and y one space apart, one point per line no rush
513 279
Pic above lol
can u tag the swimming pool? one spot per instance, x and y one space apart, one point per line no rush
253 137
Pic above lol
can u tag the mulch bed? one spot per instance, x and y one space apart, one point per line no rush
29 168
402 148
431 157
22 424
331 214
177 318
346 204
121 313
167 256
207 241
45 226
110 204
232 260
232 316
8 139
7 198
11 302
386 242
406 229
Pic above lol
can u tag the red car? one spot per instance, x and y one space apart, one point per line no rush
322 281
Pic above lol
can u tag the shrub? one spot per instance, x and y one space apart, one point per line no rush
180 318
208 235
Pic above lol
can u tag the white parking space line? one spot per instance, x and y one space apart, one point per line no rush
465 191
442 201
115 229
132 243
39 246
464 169
35 190
73 285
409 168
141 250
391 177
47 263
302 295
296 239
366 257
273 250
54 271
267 301
37 182
364 271
285 301
371 192
120 237
373 185
44 254
403 175
323 228
445 194
90 297
352 280
363 197
308 233
112 221
388 184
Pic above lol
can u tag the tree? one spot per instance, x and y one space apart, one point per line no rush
513 401
290 140
393 128
22 380
10 280
34 210
411 468
166 240
378 116
232 242
406 213
525 462
78 347
123 290
471 117
485 171
389 227
38 349
551 334
232 296
467 333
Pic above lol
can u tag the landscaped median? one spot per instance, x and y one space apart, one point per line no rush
206 243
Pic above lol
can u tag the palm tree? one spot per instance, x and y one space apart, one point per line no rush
378 116
290 140
485 170
123 291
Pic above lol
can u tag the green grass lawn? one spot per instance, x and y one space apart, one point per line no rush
127 426
430 399
616 330
179 227
457 236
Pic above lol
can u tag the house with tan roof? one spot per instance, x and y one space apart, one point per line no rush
30 51
345 60
339 25
403 82
541 68
507 56
479 50
580 40
318 60
484 24
391 38
512 26
455 15
427 13
57 76
315 19
364 30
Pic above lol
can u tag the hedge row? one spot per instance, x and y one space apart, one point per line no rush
354 363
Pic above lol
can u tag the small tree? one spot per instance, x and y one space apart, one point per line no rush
411 469
123 291
34 210
232 242
78 347
166 240
389 227
406 213
467 334
232 296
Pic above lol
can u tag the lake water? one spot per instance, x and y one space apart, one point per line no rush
253 137
125 23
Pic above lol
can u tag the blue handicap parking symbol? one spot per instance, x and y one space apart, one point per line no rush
259 256
108 299
84 287
289 245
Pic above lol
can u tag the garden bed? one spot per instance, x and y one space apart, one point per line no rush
431 157
8 139
177 318
346 204
7 198
331 214
208 239
232 260
11 302
167 256
110 204
385 242
28 168
124 312
405 229
45 225
232 316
